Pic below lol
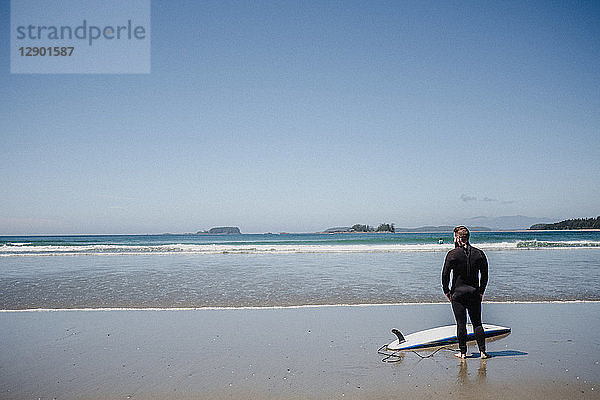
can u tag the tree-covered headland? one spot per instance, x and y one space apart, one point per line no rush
579 223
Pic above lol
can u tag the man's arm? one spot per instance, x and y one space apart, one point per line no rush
446 276
483 270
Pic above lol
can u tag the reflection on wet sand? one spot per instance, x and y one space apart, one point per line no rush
463 379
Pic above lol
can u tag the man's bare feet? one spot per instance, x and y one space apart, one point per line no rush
462 356
485 355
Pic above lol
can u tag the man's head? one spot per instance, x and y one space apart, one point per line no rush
461 235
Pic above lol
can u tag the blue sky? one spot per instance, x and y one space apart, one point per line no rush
299 116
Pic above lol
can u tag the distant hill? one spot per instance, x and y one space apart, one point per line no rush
480 223
507 222
221 230
579 223
441 228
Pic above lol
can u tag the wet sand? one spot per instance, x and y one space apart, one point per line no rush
293 353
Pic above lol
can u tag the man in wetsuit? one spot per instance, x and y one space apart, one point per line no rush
469 269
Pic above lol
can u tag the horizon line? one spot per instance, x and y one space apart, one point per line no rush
409 230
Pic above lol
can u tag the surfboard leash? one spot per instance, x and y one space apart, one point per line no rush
397 356
431 355
390 357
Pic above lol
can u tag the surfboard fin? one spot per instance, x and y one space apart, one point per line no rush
399 335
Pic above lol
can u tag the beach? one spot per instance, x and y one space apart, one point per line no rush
293 353
289 317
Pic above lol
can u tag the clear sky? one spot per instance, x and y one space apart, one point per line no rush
298 116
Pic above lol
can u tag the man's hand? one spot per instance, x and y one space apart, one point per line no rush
448 296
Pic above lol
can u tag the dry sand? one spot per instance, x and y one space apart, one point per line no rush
296 353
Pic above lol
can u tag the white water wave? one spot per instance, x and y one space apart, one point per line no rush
114 249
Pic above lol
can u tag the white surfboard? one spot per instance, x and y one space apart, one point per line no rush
441 336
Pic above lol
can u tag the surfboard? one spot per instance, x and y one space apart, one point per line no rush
441 336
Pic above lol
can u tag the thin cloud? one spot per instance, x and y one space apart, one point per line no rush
467 198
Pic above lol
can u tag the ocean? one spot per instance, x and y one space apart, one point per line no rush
282 270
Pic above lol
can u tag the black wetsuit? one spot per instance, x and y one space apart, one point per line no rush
469 278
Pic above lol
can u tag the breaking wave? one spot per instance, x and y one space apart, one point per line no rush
30 249
537 244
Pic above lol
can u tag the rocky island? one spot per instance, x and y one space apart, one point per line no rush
390 228
221 230
361 228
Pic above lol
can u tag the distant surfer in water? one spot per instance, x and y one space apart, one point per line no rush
469 269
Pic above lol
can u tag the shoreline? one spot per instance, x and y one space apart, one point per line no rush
292 307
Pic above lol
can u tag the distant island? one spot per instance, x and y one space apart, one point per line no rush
361 228
390 228
579 223
221 230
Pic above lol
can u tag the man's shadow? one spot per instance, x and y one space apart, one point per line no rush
503 353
